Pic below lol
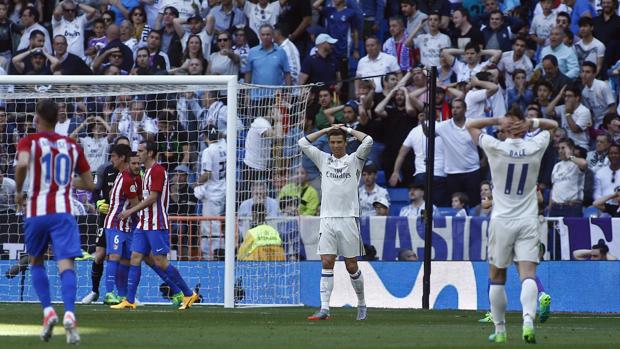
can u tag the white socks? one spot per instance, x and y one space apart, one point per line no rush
529 294
327 285
498 300
357 280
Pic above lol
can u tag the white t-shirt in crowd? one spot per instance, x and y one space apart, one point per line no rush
430 47
589 52
507 64
258 146
567 180
73 31
383 64
597 98
416 140
24 42
62 128
460 152
294 63
258 16
95 150
514 165
464 72
368 198
541 25
478 105
582 118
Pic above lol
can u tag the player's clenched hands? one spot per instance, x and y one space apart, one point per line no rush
124 215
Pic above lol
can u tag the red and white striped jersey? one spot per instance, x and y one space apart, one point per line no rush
123 190
155 217
53 161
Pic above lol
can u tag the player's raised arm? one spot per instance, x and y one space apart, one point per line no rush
364 149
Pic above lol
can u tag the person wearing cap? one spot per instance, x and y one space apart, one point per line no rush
382 207
417 204
370 191
211 189
313 32
322 66
39 62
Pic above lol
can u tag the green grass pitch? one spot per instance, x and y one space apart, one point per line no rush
216 327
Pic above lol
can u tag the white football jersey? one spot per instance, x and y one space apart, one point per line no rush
339 178
514 167
213 160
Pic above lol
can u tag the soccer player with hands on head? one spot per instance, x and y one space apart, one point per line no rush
513 231
339 233
50 161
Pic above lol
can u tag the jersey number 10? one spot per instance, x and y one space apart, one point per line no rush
61 168
509 178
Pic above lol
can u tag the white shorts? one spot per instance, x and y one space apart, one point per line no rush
513 241
340 237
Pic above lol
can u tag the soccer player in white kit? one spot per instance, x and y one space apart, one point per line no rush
339 233
513 230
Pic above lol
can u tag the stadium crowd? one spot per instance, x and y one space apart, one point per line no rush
370 60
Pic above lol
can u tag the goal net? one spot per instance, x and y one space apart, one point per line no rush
229 150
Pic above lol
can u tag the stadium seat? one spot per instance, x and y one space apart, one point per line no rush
396 207
398 195
381 178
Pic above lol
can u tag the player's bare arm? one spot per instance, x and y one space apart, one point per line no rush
21 169
515 126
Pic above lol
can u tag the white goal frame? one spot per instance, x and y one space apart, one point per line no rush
232 88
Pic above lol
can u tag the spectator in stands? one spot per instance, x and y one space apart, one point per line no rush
497 35
486 191
126 35
567 178
113 34
611 124
120 9
225 61
171 34
196 27
415 18
562 20
606 28
370 191
142 66
519 94
597 95
407 255
37 40
543 90
471 64
67 121
417 205
185 8
597 158
589 48
114 57
30 20
464 32
261 13
599 252
9 33
225 17
322 119
478 98
96 40
609 204
462 164
566 57
258 196
459 204
430 44
321 66
541 25
305 195
297 16
376 63
193 50
515 59
395 45
381 206
65 21
108 17
96 141
398 117
7 193
182 200
69 64
573 116
280 37
607 179
158 60
416 141
138 19
41 62
172 140
440 6
554 75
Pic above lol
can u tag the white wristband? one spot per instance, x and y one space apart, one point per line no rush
349 130
535 123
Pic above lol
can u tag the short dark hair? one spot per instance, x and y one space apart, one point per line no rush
563 14
483 76
172 9
551 58
121 150
409 2
98 20
516 112
574 89
121 137
435 13
518 71
34 33
47 110
336 133
33 12
462 197
589 64
585 21
602 246
463 12
460 100
472 45
150 147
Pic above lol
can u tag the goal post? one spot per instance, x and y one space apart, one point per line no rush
283 105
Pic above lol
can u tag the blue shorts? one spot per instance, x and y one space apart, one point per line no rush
156 242
118 242
60 229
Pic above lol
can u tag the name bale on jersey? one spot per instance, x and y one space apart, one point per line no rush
517 154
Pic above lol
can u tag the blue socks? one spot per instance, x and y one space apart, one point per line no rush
41 284
68 282
121 279
132 283
177 279
110 275
162 274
